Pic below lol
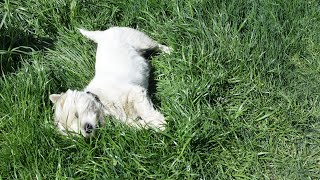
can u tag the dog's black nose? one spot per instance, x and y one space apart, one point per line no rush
88 128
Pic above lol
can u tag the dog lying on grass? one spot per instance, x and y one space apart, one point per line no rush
119 87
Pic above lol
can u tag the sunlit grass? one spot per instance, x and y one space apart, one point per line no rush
240 92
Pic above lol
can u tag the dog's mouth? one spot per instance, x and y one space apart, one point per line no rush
87 131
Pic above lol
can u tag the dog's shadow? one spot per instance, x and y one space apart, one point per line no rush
152 89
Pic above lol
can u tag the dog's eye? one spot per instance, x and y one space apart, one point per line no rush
76 115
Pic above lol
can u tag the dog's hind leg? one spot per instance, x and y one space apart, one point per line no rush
140 41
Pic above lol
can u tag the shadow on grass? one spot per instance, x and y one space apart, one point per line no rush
152 89
16 45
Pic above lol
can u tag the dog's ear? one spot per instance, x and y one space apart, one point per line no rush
55 97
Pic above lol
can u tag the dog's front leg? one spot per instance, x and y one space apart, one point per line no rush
148 115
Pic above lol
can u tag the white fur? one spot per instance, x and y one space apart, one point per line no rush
120 82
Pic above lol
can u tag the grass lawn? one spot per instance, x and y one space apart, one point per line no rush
240 92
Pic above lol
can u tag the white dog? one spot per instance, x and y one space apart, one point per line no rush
119 87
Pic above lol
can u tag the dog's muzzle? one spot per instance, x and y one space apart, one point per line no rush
88 128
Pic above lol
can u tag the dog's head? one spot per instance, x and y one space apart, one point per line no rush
77 112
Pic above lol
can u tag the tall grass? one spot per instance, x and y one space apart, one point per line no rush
240 92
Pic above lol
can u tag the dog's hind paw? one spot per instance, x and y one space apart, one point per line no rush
165 49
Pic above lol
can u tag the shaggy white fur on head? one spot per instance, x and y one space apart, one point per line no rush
77 112
119 87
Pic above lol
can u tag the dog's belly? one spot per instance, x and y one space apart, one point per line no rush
122 65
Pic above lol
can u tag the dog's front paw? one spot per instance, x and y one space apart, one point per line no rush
157 122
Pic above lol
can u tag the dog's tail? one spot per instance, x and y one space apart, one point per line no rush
95 36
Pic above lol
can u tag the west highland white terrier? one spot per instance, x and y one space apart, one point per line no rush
119 87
